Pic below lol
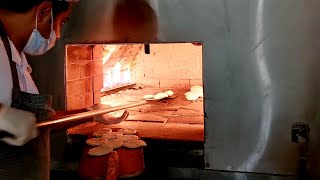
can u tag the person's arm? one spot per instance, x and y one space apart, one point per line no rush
20 124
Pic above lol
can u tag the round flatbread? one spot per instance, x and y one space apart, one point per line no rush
100 151
96 141
188 93
100 132
127 131
196 88
159 96
126 138
192 96
169 93
148 96
134 144
114 143
112 135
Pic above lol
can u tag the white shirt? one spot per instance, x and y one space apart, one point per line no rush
23 69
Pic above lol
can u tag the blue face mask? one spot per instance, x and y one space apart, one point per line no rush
38 45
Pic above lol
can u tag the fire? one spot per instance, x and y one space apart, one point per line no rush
115 76
108 50
116 73
127 76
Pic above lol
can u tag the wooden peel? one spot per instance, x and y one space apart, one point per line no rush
89 114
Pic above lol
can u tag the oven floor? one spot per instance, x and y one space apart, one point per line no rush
175 110
149 130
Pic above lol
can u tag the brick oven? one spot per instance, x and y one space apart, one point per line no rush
97 67
118 74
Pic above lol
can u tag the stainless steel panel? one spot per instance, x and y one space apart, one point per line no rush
260 72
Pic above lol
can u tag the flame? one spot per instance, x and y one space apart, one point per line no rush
115 77
127 76
116 74
111 49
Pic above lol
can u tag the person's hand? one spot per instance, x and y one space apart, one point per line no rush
108 119
21 124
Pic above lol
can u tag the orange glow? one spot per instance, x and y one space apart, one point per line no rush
108 50
127 76
116 77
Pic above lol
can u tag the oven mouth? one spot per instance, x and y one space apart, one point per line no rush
118 74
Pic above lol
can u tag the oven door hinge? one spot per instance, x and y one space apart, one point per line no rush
300 132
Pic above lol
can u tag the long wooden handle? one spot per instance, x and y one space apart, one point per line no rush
89 114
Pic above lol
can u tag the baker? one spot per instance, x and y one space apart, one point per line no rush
27 27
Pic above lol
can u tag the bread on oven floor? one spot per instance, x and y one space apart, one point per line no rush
161 95
169 93
148 96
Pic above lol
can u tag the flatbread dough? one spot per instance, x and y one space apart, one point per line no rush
100 151
100 132
112 135
127 131
159 96
96 141
114 143
189 93
134 144
169 93
126 138
196 88
192 96
148 96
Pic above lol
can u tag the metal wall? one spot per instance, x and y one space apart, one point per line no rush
260 72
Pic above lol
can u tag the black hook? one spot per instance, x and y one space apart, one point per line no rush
147 48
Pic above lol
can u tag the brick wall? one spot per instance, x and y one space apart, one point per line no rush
84 78
176 65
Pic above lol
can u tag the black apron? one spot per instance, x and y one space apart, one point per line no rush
31 161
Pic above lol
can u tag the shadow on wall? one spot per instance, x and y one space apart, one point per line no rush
134 21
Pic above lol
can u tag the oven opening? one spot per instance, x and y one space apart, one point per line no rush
119 74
